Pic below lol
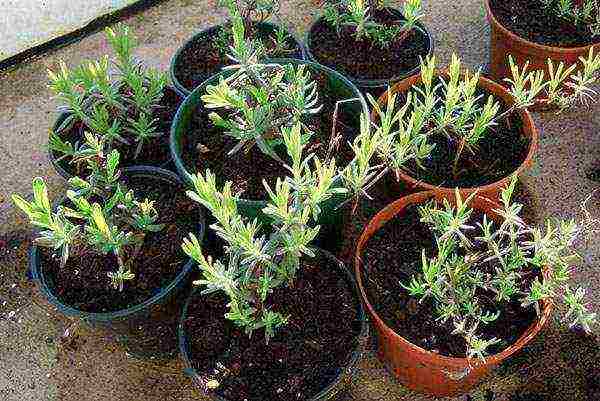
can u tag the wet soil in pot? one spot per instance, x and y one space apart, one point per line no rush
206 146
530 20
496 156
364 59
300 361
392 256
154 153
203 57
83 283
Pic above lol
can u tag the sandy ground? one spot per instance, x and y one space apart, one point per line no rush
37 364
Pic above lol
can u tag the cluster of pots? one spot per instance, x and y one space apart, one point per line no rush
413 366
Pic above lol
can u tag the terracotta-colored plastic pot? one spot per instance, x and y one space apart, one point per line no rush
416 368
504 43
493 189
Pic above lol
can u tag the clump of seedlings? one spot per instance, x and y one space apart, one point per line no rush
480 264
450 106
358 14
381 43
104 217
258 99
260 259
252 13
119 108
584 12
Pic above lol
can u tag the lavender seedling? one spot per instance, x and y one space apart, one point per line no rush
100 219
457 279
258 99
587 13
358 15
257 264
116 107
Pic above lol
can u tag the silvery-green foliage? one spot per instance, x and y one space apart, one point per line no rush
257 100
101 217
359 15
256 263
114 106
586 13
476 260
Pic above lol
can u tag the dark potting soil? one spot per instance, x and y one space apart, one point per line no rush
363 59
529 19
83 283
393 255
154 153
202 58
206 146
498 154
301 360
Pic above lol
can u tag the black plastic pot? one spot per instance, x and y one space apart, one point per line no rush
175 61
52 157
129 325
336 389
251 208
374 86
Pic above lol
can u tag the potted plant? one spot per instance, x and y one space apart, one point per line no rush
231 124
107 252
453 128
538 30
274 319
206 52
130 111
454 286
381 45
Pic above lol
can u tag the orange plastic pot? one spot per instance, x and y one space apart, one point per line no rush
493 189
504 43
416 368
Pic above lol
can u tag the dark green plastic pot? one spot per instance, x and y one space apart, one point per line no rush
338 84
176 60
372 85
59 166
345 374
129 325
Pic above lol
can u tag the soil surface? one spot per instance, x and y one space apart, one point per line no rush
206 146
530 20
154 153
392 256
202 57
83 283
301 360
497 155
363 59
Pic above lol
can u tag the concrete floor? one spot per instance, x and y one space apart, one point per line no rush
27 23
35 364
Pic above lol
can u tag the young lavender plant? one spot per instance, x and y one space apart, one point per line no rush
358 15
452 107
256 263
102 219
118 108
258 99
458 278
253 12
587 13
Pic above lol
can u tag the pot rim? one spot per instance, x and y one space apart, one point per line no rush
543 48
372 83
385 215
173 65
330 389
39 276
529 128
